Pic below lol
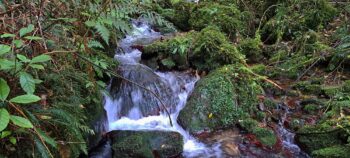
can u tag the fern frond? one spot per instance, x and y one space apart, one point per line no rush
103 31
95 44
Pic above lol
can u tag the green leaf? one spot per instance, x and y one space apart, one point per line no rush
41 58
23 58
37 66
104 32
18 43
7 64
37 81
46 138
25 99
4 89
27 82
21 121
4 118
13 140
90 23
4 134
4 49
25 30
7 35
33 38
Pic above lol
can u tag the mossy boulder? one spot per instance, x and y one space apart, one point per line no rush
211 50
332 152
226 17
147 144
220 99
311 138
205 50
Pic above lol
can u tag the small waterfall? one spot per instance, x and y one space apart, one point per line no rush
287 136
131 107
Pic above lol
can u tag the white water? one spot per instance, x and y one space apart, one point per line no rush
181 85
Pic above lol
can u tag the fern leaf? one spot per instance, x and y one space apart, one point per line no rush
95 44
104 32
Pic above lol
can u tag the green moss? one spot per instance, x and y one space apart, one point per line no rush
205 50
312 138
248 124
311 108
331 91
228 93
346 86
332 152
179 14
259 69
265 136
308 88
252 49
270 104
211 50
226 17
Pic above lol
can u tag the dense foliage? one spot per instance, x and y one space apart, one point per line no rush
56 57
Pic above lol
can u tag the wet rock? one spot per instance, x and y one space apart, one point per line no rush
146 144
220 99
229 140
102 150
136 101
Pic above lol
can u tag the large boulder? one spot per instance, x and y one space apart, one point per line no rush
220 99
146 144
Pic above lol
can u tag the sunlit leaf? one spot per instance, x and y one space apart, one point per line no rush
41 58
27 82
23 58
33 38
7 35
4 118
4 49
26 30
13 140
25 99
37 66
21 121
4 89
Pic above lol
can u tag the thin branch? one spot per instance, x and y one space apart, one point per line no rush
35 131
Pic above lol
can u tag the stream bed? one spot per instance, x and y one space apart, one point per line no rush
132 107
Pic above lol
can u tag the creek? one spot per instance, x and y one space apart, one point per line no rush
130 107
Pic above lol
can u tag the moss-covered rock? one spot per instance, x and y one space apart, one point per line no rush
147 144
226 17
211 50
220 99
265 136
332 152
311 138
204 50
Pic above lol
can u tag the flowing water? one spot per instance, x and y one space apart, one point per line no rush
131 107
134 108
